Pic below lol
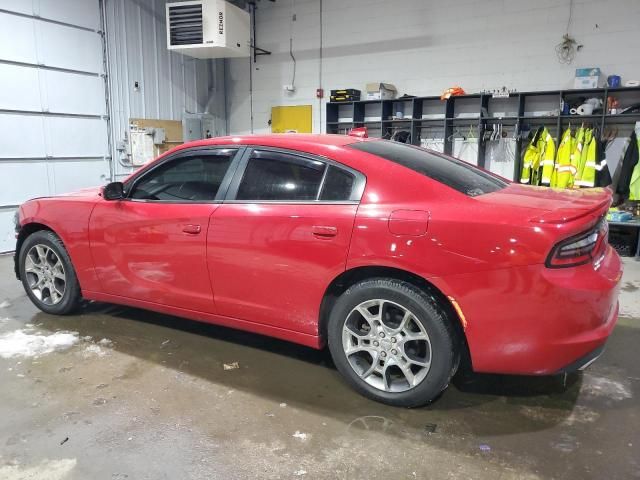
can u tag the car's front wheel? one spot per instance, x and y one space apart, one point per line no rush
393 342
47 274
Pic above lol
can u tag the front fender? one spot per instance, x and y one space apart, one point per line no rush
68 218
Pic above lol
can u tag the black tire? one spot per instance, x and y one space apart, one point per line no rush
71 297
445 346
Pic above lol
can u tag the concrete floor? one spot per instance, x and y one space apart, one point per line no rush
154 401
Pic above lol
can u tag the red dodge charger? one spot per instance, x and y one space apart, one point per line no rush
400 259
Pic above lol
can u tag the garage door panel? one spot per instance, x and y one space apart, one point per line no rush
71 48
72 175
22 136
52 103
20 6
19 88
17 39
7 234
22 180
73 93
85 13
76 137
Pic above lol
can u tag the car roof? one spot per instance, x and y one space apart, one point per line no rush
283 140
318 144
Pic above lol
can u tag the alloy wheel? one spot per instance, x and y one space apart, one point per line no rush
386 345
45 274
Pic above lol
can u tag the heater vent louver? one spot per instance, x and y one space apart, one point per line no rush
185 24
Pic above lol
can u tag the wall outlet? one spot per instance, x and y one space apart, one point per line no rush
289 88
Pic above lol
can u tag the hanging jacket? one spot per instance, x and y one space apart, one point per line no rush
576 154
603 175
530 157
634 184
588 161
547 159
584 156
629 163
564 171
542 148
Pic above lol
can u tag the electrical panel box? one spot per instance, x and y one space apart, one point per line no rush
208 29
142 146
198 126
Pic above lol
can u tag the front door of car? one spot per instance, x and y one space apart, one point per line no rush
281 236
151 245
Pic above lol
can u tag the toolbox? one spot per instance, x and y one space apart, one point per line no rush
345 95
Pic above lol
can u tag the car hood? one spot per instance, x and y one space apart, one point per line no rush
83 192
548 205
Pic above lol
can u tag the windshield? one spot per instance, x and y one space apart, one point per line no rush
450 171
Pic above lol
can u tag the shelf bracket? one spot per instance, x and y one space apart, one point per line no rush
256 50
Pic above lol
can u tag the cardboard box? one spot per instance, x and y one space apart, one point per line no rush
381 91
587 78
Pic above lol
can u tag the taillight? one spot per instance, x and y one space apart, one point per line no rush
580 249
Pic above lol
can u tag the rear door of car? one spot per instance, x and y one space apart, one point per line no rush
281 236
151 245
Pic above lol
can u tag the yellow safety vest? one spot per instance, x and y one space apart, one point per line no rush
541 149
548 158
634 185
576 154
585 175
564 171
582 160
588 177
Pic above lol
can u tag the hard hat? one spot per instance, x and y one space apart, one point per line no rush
359 132
452 92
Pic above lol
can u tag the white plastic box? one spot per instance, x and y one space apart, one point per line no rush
587 78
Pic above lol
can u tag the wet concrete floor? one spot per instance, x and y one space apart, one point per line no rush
154 401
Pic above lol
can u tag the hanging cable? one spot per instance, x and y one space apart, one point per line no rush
293 78
570 15
567 48
293 19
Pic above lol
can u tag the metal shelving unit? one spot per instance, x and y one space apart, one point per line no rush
479 112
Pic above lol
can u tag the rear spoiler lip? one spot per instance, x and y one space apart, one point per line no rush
566 215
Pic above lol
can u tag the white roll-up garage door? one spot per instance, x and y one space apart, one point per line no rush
53 118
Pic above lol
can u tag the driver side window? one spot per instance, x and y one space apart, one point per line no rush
194 178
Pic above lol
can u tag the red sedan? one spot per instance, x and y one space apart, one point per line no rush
400 259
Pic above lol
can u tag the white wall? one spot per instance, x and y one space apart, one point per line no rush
425 46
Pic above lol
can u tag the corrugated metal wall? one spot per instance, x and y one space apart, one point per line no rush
169 84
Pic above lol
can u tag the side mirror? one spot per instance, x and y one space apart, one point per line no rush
113 191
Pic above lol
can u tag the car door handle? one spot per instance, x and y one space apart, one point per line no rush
322 231
191 229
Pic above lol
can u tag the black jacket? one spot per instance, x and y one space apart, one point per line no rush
603 175
628 164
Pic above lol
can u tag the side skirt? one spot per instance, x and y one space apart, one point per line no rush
268 330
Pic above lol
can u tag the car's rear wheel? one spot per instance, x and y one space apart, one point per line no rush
47 274
393 342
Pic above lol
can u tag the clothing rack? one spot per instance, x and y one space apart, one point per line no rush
518 110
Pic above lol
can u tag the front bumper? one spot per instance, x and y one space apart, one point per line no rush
532 320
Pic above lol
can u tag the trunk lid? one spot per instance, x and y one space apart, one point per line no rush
548 205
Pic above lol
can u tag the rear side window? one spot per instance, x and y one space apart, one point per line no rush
280 176
338 185
452 172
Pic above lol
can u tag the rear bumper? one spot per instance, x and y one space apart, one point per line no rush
583 362
537 321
